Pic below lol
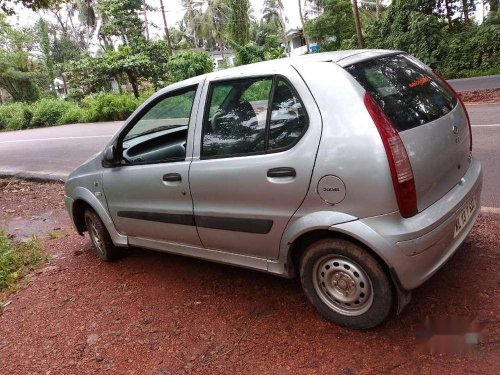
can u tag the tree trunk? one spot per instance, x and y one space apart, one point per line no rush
167 34
357 23
448 12
377 9
303 26
465 6
146 27
133 82
65 84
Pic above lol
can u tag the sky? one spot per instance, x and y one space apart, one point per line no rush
174 13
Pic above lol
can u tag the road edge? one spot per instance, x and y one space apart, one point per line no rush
35 176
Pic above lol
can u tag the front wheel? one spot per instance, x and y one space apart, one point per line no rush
99 236
345 283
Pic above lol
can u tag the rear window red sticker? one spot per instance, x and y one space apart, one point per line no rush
419 82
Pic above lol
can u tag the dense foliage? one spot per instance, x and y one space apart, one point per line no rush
50 111
105 63
455 49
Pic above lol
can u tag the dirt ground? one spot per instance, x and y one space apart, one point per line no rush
481 96
155 313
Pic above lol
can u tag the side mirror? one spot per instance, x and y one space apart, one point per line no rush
109 157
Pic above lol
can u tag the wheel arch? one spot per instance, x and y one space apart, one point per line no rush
83 198
298 246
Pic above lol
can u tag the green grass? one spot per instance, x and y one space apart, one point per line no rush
16 260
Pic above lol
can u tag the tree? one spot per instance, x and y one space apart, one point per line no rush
238 27
165 27
357 23
251 53
334 28
120 18
188 64
7 5
213 25
45 43
20 72
306 34
273 17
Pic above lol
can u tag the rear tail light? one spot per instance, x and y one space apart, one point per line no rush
399 163
461 103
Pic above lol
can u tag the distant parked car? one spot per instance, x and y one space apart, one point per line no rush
352 169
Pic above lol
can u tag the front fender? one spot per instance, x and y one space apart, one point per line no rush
82 193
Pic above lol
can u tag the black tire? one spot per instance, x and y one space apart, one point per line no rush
342 260
99 236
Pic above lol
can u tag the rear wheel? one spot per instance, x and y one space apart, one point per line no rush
345 283
99 236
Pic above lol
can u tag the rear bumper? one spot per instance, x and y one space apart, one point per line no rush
417 247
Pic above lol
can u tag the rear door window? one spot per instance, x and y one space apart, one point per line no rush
237 118
409 94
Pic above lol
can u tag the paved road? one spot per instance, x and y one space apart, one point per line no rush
54 152
476 83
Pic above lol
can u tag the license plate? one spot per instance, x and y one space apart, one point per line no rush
464 216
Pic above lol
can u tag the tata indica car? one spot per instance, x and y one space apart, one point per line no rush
350 169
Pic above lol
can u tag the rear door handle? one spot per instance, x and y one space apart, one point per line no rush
172 177
281 172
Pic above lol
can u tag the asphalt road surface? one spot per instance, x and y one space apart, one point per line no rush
55 151
476 83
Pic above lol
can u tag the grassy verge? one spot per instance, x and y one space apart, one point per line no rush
16 260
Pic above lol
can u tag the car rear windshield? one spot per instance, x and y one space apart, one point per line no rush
408 92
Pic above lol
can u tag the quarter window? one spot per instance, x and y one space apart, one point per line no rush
288 118
238 121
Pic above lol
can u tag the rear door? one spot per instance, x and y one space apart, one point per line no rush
430 120
255 150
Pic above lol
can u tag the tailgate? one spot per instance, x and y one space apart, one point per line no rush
428 117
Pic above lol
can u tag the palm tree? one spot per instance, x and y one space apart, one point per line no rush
192 19
273 12
214 21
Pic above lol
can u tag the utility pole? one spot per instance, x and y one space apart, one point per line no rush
377 9
303 25
145 18
167 34
357 23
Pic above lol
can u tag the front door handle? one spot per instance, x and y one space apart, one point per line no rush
172 177
281 172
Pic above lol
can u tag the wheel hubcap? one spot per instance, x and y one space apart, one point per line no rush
343 285
95 236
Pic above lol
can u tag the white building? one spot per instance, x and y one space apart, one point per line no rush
222 59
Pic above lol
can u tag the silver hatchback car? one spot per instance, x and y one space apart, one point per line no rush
352 169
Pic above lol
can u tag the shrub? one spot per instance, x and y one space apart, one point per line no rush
16 259
72 115
15 116
109 107
49 112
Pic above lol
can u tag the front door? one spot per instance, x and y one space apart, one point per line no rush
148 194
255 159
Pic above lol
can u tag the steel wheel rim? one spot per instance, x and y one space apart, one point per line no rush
94 235
343 285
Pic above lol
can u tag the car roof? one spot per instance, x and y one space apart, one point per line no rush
339 57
